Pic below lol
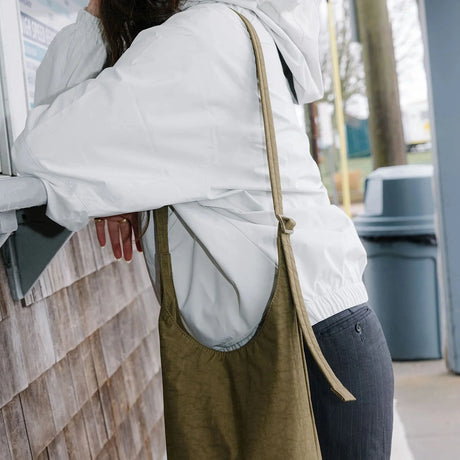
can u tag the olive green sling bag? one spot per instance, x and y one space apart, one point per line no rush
252 403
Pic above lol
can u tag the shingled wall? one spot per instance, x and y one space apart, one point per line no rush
79 361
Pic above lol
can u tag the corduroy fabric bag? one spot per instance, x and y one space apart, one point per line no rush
252 403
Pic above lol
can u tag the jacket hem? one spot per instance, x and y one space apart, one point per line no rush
348 296
323 307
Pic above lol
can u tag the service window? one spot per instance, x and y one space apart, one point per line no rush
40 22
27 27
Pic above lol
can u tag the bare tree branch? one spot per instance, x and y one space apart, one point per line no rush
350 62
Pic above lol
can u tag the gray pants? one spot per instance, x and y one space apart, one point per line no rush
354 345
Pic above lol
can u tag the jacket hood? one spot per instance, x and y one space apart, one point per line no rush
295 27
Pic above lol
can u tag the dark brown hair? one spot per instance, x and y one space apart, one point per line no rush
122 20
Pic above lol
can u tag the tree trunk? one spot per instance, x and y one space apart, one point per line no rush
313 114
385 124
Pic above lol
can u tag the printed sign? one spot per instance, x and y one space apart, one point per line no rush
41 20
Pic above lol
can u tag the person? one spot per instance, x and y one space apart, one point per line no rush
142 104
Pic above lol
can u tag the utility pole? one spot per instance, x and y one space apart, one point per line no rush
339 115
385 124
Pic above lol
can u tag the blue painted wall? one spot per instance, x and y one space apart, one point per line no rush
440 23
358 143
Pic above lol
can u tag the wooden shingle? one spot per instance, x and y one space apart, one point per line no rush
65 322
96 251
138 430
132 326
43 455
61 393
38 415
107 410
135 376
118 396
158 440
102 297
89 312
6 301
76 440
4 446
107 292
16 430
144 454
151 403
124 440
36 340
151 360
94 424
111 345
98 358
80 247
57 449
12 366
80 365
109 451
78 376
88 366
151 308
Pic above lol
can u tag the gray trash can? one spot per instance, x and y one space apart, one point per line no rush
398 231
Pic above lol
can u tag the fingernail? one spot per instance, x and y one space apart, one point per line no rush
103 246
129 261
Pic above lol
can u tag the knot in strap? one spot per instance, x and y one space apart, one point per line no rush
287 224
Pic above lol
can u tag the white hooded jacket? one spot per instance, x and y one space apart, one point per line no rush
177 121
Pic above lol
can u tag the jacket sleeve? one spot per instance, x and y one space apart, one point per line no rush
145 132
76 54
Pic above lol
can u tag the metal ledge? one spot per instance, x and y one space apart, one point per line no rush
30 238
17 193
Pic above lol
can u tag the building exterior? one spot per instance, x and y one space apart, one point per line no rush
79 360
79 355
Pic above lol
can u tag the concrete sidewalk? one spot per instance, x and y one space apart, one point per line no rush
427 416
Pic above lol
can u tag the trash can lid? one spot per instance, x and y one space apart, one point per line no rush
402 172
398 200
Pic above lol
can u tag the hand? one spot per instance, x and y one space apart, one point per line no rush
94 7
121 227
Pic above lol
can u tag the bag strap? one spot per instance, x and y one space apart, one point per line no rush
285 224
